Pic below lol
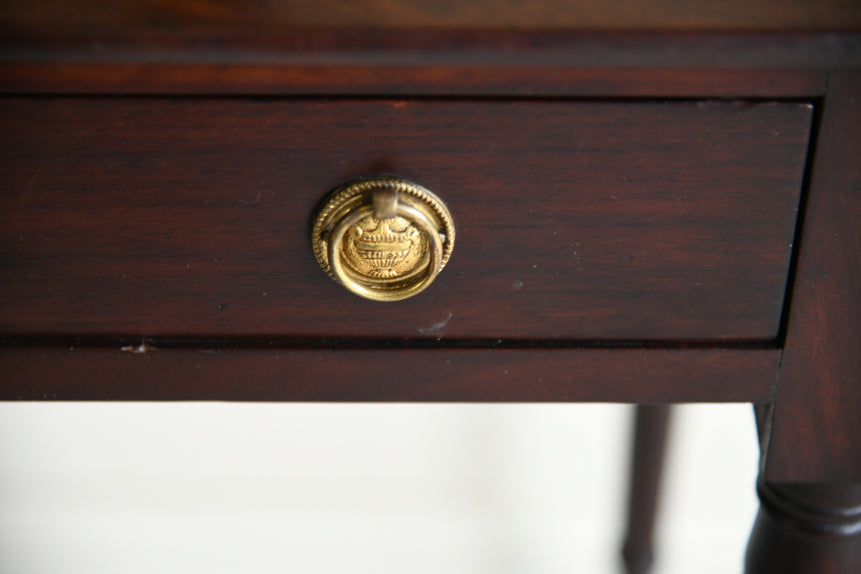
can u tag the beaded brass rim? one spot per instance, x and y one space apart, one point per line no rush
383 238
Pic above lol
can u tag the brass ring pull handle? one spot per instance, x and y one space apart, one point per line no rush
373 291
383 238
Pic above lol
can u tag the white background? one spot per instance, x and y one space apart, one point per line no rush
214 488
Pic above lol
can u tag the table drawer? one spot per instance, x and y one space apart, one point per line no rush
575 220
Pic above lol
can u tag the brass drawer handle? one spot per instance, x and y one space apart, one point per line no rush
384 238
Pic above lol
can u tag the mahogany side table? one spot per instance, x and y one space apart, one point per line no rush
653 204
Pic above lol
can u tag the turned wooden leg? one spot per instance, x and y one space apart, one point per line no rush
650 437
802 529
810 483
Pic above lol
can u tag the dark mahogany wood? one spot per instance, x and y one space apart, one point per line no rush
563 375
806 528
810 519
410 80
651 425
816 429
769 48
575 220
581 223
443 62
693 15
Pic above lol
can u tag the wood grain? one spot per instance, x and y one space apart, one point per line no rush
416 80
694 15
816 430
576 220
423 62
618 375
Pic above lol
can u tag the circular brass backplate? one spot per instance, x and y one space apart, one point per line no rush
384 238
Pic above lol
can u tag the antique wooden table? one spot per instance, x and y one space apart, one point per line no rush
653 204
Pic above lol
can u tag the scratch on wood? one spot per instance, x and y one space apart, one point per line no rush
256 199
436 327
141 349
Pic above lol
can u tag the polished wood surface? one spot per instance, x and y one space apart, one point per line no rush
135 371
816 432
767 48
439 62
584 221
806 527
695 15
393 80
810 517
139 235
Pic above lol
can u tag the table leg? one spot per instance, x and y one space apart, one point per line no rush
810 478
806 528
650 437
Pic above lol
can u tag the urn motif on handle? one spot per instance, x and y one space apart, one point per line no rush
384 238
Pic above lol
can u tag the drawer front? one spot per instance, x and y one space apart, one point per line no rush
575 220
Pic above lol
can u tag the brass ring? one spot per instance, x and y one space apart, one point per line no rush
347 278
383 238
